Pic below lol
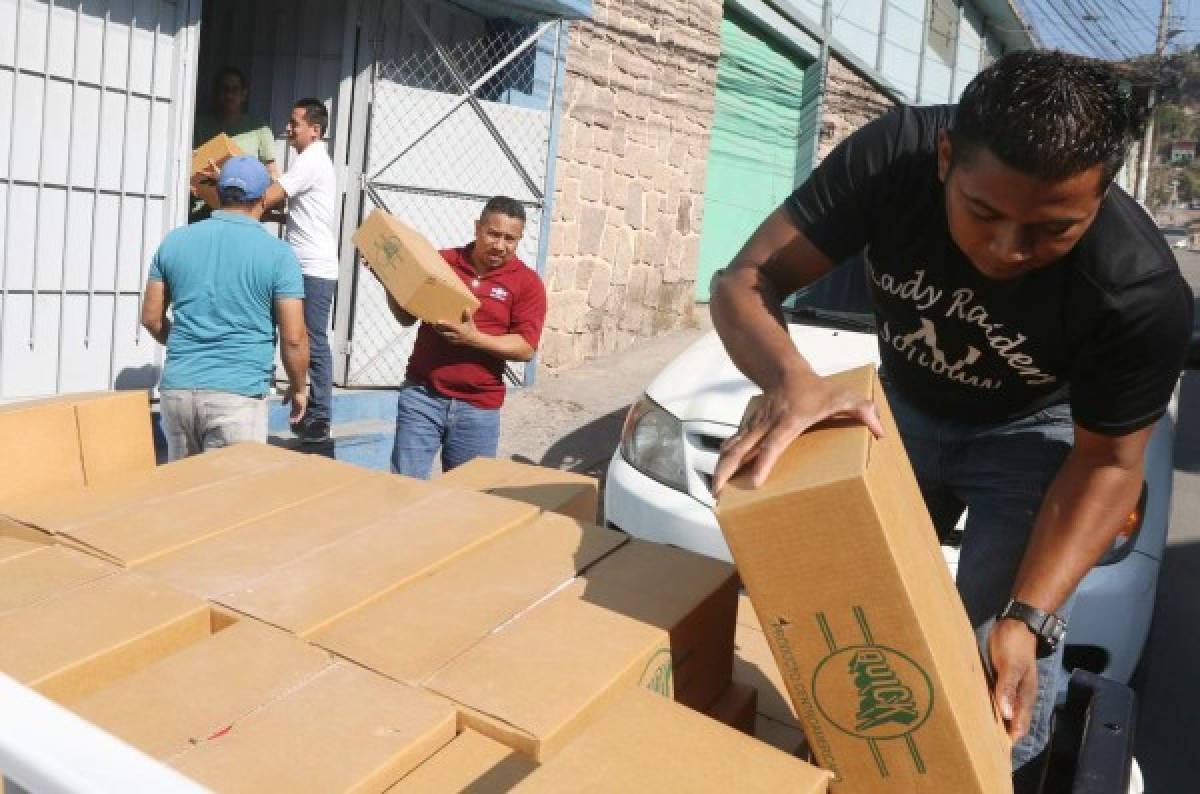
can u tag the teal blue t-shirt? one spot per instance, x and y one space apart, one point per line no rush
223 276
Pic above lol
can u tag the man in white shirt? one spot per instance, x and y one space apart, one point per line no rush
310 189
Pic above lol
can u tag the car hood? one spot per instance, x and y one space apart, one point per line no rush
702 384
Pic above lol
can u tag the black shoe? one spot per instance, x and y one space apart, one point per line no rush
314 431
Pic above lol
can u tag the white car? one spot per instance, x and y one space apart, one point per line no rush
658 480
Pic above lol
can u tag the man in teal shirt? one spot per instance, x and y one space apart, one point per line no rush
228 284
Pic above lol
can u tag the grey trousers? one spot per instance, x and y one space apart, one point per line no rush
195 420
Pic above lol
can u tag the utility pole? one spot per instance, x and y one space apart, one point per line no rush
1160 47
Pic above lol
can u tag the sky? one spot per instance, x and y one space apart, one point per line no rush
1113 29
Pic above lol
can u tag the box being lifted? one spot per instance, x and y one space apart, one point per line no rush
412 271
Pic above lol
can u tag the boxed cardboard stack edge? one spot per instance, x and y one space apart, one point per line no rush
70 442
216 150
471 763
412 271
637 618
736 707
843 567
775 720
574 495
644 742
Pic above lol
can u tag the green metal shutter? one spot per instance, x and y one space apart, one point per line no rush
762 138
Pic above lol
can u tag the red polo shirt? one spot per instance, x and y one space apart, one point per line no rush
512 300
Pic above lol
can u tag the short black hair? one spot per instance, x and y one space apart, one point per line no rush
235 197
1048 114
314 113
505 206
230 71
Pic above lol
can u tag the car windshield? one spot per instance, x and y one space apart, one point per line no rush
837 300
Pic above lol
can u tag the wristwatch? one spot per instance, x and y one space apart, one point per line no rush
1048 627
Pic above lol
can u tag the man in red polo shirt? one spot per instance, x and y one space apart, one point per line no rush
453 391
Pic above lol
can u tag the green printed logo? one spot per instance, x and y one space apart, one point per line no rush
872 692
389 245
656 676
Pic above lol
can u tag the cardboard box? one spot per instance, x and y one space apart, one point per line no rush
646 743
217 150
843 567
454 607
145 528
535 682
784 737
231 560
17 539
412 271
692 597
33 573
202 689
77 640
71 441
333 581
736 708
471 763
345 730
754 665
574 495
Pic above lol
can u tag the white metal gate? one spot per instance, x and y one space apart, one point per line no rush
97 96
461 109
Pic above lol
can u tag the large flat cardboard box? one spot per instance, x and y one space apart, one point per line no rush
313 591
34 573
471 764
71 441
412 271
454 607
344 730
231 560
644 742
536 681
147 527
217 149
202 689
843 567
574 495
72 642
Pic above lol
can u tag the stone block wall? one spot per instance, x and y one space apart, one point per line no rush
850 102
628 203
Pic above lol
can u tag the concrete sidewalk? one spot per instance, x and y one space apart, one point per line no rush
573 420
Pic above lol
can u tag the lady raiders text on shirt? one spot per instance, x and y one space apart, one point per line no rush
1106 327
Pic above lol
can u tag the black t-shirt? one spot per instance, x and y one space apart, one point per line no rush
1106 327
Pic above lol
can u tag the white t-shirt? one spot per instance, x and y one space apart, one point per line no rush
312 195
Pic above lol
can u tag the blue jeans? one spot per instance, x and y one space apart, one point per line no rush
426 420
318 298
999 472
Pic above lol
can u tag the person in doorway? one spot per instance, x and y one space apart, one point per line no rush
228 114
309 188
1032 327
229 284
454 388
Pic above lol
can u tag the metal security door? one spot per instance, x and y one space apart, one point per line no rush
461 109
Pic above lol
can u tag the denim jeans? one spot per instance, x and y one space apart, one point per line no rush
318 297
999 473
426 420
195 420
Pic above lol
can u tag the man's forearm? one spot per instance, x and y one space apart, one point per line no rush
506 347
757 341
1081 515
295 363
160 331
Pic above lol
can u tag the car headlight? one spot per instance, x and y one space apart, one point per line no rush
652 442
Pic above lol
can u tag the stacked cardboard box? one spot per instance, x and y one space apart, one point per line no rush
412 271
645 743
214 151
574 495
843 567
471 763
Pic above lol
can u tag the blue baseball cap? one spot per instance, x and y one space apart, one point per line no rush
246 173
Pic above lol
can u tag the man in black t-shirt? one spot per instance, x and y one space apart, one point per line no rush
1032 328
